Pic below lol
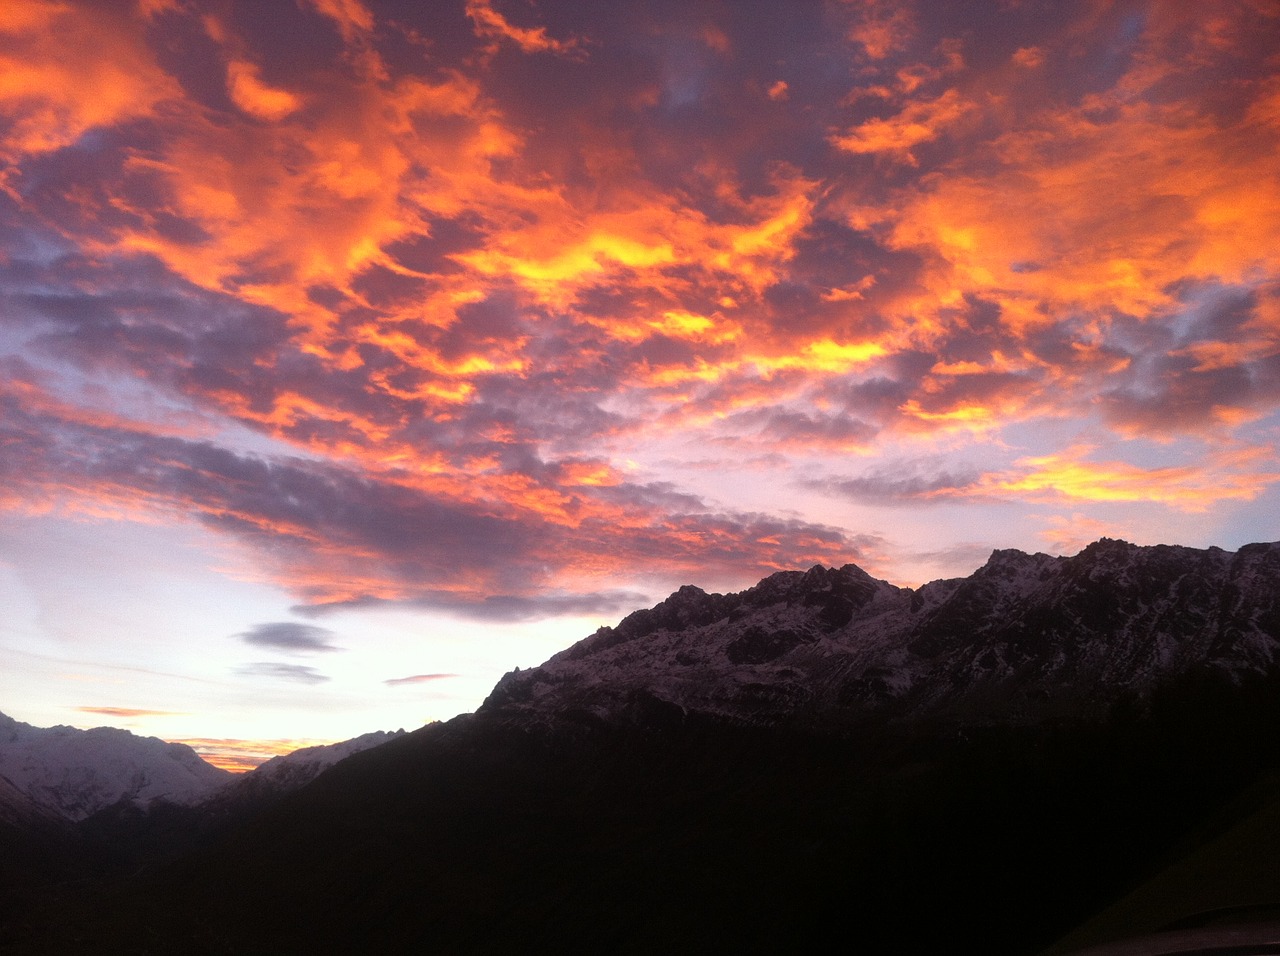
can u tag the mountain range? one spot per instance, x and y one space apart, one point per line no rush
1024 637
70 774
977 764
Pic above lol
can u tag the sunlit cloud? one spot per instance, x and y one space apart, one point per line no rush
882 27
1029 57
918 123
255 97
1232 475
67 69
490 23
1076 473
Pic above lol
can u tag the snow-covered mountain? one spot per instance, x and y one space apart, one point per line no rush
73 774
76 773
1024 637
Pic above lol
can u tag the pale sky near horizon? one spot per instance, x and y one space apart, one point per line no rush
352 354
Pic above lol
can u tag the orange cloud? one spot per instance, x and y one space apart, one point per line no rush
287 206
566 248
1023 222
1234 475
352 16
917 123
65 70
1029 57
292 205
882 28
489 22
255 97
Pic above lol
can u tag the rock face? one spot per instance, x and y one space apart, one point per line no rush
76 773
1023 638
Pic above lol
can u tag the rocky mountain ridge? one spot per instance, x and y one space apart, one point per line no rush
1024 637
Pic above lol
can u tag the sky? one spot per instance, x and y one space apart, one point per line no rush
354 353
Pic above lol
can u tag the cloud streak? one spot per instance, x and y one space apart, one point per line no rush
417 679
294 673
126 712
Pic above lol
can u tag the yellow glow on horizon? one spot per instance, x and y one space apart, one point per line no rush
241 756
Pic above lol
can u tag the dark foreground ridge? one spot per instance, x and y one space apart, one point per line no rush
974 766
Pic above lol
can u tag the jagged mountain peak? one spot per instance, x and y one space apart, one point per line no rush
836 592
1009 561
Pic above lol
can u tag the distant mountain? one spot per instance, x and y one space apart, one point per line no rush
77 773
1025 638
74 774
278 776
130 834
975 765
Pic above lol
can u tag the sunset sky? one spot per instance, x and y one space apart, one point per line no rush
355 353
